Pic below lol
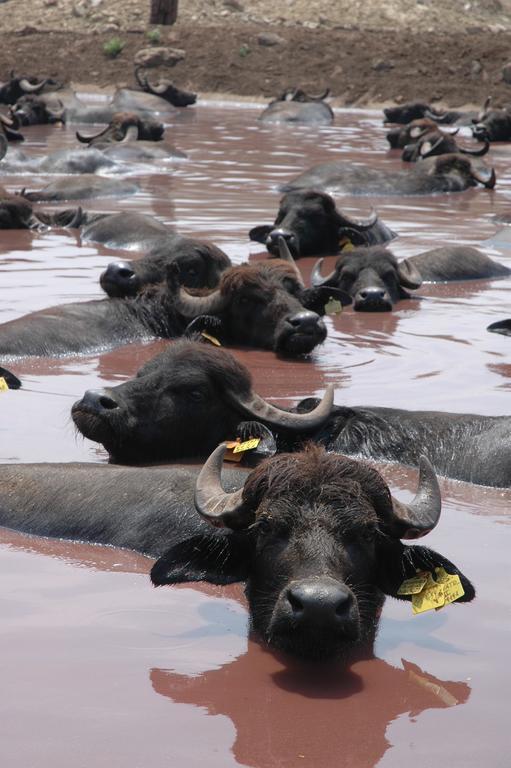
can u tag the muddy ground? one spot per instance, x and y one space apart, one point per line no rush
450 52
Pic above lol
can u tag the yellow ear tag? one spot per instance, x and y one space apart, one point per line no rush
236 449
345 244
431 598
4 387
333 307
414 585
211 339
451 584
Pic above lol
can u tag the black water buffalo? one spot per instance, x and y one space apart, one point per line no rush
200 266
310 224
17 87
316 537
376 281
127 231
402 135
125 126
17 213
288 315
83 187
297 107
65 106
164 89
416 110
192 394
438 143
447 173
493 125
9 128
61 161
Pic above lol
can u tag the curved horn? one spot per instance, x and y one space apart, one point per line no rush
485 177
477 152
7 121
436 116
427 148
321 96
88 139
485 108
317 279
285 255
189 305
259 409
221 509
76 220
131 133
420 516
361 224
142 81
26 86
156 89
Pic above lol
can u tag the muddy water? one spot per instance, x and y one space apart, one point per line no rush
98 668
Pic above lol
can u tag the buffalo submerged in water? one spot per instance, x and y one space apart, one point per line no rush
288 315
295 106
446 173
315 536
192 396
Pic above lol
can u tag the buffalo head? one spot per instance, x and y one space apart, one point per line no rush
17 213
165 90
183 403
200 265
460 171
125 126
437 142
311 225
372 277
34 109
316 536
16 87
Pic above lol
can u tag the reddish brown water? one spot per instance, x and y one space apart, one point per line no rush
98 668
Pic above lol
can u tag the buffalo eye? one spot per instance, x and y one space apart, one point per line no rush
264 525
196 395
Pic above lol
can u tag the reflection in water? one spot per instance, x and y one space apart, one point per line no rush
326 717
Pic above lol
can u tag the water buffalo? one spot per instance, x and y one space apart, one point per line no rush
493 125
416 110
310 224
9 129
316 537
164 89
62 161
83 187
376 281
17 87
423 138
297 107
192 394
288 315
447 173
200 266
17 213
127 231
65 106
125 125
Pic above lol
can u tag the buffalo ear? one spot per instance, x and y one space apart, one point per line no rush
259 234
398 562
205 557
316 298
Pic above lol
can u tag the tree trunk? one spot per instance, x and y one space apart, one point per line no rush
163 11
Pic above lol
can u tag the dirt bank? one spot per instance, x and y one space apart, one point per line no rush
452 56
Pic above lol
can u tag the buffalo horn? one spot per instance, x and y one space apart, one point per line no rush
259 409
285 255
77 219
142 81
317 279
29 88
157 89
6 121
436 116
486 106
485 177
360 224
421 515
192 306
221 509
131 133
477 152
57 114
320 97
427 148
88 139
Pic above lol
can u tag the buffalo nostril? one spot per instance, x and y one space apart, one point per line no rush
125 272
295 602
304 321
107 403
372 293
319 602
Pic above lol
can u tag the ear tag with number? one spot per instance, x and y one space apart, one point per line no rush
453 588
414 585
333 306
431 598
211 339
430 593
236 449
4 387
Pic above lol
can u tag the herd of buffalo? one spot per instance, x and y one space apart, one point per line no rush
315 534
